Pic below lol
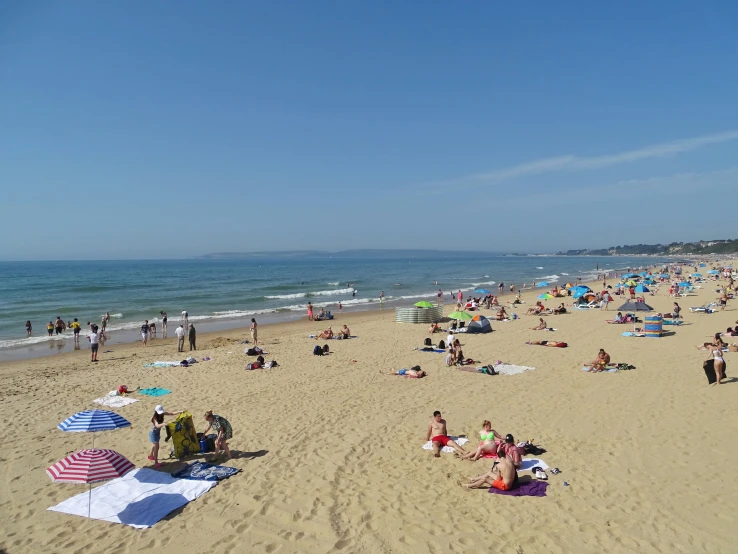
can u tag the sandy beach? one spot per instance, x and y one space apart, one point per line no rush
331 453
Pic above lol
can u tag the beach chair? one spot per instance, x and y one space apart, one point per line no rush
589 306
706 309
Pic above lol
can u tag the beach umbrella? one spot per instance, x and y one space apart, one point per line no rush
568 286
643 273
460 315
635 307
696 274
619 286
642 288
664 275
481 291
714 272
424 304
93 421
703 265
545 296
685 284
542 284
90 466
629 275
630 284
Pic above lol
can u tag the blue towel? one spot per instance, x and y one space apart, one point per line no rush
155 391
200 471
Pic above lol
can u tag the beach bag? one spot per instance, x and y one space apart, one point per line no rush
428 342
317 350
251 352
183 435
271 364
733 348
441 345
326 350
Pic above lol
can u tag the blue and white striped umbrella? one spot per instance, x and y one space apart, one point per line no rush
92 421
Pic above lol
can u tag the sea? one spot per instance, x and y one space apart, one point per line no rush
226 293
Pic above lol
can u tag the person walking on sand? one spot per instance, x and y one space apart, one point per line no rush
145 332
94 339
716 350
192 337
157 422
310 311
220 425
439 437
180 332
29 328
254 332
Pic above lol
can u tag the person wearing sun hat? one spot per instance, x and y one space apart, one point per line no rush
157 422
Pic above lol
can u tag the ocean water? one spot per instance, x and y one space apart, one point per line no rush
230 292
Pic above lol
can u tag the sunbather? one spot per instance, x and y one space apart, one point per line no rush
346 332
541 325
600 363
437 430
488 444
327 334
501 314
502 475
551 343
415 373
560 310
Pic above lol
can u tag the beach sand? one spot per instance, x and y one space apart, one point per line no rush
331 449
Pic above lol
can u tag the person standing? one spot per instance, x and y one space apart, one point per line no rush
180 332
157 422
76 328
94 339
29 328
59 325
439 296
145 332
381 297
340 307
675 311
459 296
310 311
50 328
192 337
163 324
185 318
253 332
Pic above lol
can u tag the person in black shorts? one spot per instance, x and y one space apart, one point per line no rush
163 324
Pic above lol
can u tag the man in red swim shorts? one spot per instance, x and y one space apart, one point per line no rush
437 430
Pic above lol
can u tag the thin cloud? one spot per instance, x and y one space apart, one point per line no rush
580 163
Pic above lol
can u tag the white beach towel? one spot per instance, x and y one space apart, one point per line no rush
510 369
114 400
461 441
138 499
529 463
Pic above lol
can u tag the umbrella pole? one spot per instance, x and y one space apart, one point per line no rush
89 503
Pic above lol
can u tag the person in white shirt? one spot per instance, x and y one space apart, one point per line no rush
94 339
180 332
185 318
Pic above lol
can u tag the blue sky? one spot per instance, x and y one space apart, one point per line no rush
161 129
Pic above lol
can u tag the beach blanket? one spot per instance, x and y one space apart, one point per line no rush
528 463
632 334
434 350
461 441
608 370
138 499
154 391
529 488
164 364
114 400
511 369
201 471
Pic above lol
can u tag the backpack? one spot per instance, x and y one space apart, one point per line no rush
428 342
317 350
326 350
441 345
251 352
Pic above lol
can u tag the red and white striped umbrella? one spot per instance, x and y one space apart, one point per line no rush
90 466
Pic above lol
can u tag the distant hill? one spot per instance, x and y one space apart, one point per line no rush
359 253
723 246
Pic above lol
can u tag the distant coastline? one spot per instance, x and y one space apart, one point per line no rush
699 248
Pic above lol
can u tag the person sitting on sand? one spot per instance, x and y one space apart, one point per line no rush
415 373
327 334
488 444
512 452
495 302
501 314
535 310
600 363
224 430
541 325
560 310
619 318
433 328
346 332
440 438
501 476
552 343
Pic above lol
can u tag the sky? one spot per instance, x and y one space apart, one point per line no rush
166 130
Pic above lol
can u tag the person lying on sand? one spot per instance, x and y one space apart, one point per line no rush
551 343
502 475
541 325
437 430
488 444
600 363
327 334
416 373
